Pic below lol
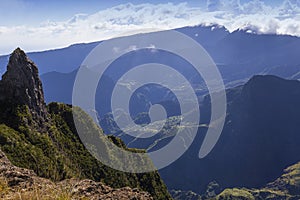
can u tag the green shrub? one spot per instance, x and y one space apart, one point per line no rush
58 153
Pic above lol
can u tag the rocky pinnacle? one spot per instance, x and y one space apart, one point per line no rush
21 85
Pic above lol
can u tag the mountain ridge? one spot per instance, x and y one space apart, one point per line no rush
55 151
256 144
215 39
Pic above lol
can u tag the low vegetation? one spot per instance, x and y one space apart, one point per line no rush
59 154
285 187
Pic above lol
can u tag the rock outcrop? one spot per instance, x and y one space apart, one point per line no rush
21 85
24 182
17 179
97 190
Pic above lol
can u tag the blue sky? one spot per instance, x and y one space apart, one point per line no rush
39 25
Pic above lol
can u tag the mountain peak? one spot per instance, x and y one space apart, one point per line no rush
19 59
270 82
18 51
21 85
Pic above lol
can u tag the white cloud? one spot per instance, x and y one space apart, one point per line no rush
127 19
290 8
235 7
256 6
224 5
214 5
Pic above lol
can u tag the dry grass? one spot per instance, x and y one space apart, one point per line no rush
3 186
44 192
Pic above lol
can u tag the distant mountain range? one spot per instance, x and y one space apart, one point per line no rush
239 55
253 53
261 134
260 139
60 60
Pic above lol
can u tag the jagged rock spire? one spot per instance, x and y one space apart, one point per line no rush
21 85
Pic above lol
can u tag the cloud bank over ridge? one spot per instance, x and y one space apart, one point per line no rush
254 16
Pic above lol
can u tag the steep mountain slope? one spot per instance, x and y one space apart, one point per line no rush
289 182
45 140
244 54
61 89
287 186
260 138
16 183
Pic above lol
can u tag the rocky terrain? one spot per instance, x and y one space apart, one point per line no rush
18 182
21 85
287 186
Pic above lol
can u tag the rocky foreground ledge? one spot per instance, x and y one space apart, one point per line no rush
20 183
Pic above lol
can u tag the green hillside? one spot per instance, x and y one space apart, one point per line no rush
44 138
285 187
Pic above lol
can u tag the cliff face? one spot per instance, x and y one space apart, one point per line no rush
21 85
